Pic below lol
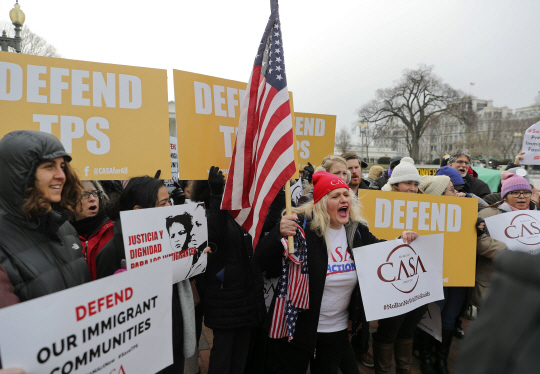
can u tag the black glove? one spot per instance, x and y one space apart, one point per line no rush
178 196
480 231
215 180
308 172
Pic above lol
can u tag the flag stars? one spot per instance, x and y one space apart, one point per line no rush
270 70
278 59
279 77
276 34
277 42
278 51
278 68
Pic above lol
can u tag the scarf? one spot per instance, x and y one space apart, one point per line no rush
292 288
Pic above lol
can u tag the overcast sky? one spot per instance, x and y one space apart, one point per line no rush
337 53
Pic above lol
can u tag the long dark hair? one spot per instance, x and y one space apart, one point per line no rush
36 204
141 191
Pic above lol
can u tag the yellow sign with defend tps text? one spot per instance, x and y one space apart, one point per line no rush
390 213
112 119
207 116
315 136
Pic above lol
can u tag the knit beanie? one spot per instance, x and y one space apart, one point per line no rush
434 185
454 175
513 182
375 172
404 172
324 182
521 172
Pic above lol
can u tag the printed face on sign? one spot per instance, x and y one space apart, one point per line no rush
179 229
198 219
403 268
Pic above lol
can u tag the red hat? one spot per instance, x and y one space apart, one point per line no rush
324 182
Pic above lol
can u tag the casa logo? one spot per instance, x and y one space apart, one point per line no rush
525 229
402 268
119 371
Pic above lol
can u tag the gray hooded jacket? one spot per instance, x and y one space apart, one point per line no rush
41 255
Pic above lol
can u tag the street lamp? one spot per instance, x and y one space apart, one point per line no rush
363 128
17 17
517 136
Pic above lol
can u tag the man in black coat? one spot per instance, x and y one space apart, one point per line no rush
460 159
383 179
356 165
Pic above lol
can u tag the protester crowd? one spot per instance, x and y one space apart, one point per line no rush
47 212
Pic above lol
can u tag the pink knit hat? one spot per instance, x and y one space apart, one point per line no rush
513 182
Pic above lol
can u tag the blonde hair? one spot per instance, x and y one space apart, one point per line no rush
329 161
395 188
319 218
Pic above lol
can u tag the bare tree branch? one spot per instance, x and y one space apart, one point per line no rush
31 44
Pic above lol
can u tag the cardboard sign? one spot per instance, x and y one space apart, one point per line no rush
431 321
207 113
177 233
174 163
315 137
121 323
531 145
396 277
389 213
269 290
296 191
112 119
520 230
427 171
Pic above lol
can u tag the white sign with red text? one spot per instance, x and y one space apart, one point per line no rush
119 324
175 233
531 145
519 230
396 277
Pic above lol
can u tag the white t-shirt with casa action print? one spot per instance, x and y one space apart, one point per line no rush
341 280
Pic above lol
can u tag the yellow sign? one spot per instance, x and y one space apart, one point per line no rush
315 135
112 119
389 213
207 116
427 171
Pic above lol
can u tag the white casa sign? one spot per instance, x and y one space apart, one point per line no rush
396 277
519 230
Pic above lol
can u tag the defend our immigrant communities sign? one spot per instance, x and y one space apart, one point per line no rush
519 230
531 145
207 113
100 112
121 323
176 234
396 277
389 213
315 136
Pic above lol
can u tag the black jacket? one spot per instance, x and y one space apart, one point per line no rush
381 181
41 255
506 335
239 300
475 186
269 254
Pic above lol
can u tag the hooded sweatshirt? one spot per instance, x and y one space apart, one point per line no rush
40 254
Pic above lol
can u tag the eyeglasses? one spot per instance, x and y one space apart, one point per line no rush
462 162
96 194
518 193
451 189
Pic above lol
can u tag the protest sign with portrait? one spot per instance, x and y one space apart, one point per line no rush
121 323
519 230
100 112
177 233
396 277
389 213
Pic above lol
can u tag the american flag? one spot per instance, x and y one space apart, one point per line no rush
292 288
263 157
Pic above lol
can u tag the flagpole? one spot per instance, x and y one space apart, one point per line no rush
288 210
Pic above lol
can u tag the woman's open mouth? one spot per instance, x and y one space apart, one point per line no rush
344 211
